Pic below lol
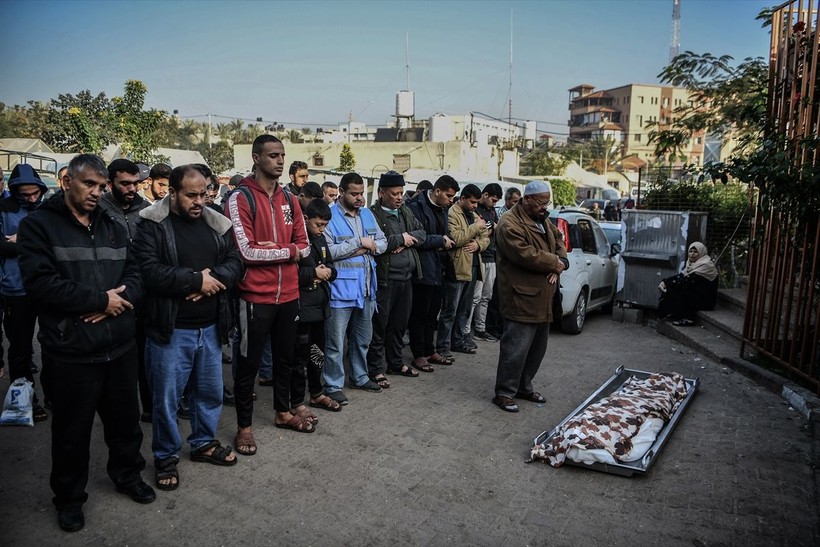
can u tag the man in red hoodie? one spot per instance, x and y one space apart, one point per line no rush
270 234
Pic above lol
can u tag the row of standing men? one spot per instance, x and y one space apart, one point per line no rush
195 274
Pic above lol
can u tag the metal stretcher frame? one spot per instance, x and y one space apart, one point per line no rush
626 469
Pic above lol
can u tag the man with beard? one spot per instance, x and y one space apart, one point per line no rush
27 191
430 208
77 267
298 174
354 239
124 204
156 185
189 263
530 256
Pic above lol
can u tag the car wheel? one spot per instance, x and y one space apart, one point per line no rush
574 322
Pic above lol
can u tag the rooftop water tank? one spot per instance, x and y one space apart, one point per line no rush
441 128
405 104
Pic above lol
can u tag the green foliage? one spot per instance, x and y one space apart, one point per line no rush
346 160
563 192
136 128
729 220
724 99
218 156
544 162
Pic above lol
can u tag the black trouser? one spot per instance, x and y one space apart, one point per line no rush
79 390
389 323
19 321
424 318
256 323
142 377
308 334
495 323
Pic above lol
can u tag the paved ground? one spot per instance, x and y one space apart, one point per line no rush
431 462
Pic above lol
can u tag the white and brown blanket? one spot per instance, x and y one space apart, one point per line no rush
612 423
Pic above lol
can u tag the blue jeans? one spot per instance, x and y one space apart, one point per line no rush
357 325
194 354
455 312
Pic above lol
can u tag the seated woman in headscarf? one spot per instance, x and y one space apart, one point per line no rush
693 289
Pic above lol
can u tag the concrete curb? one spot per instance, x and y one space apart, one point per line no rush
801 399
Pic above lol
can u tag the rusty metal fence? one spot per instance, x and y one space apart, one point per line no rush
783 300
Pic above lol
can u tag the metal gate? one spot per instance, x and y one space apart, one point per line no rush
783 302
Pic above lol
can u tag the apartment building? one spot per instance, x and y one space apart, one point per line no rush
623 114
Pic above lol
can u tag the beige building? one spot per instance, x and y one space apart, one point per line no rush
476 161
623 113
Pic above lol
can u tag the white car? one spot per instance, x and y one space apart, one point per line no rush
589 282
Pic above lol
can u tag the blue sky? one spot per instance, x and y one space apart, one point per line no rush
313 63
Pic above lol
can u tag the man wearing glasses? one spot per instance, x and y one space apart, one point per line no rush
530 256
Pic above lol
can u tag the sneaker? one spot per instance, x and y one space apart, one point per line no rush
369 385
338 396
228 398
71 519
465 349
486 336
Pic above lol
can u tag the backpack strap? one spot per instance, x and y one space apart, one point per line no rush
248 193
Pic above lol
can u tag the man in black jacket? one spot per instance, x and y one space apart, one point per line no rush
396 269
75 265
124 204
189 263
430 208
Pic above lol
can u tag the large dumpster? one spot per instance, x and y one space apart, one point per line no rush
653 247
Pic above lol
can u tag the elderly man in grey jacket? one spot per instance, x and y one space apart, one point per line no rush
530 256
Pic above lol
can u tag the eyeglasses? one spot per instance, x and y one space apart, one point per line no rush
540 203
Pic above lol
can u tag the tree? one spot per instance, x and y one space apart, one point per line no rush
724 100
563 192
602 153
294 136
136 129
347 162
219 156
544 161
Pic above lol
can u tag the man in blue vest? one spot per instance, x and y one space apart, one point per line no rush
354 238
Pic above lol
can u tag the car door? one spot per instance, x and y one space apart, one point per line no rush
591 260
607 269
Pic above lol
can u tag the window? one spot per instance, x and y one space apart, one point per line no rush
653 100
665 102
401 162
637 137
318 161
640 98
640 120
586 236
698 140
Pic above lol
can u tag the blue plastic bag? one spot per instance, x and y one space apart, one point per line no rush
18 405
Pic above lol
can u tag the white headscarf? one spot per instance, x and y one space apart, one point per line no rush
703 266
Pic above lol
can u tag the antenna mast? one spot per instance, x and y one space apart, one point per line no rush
674 45
407 57
509 115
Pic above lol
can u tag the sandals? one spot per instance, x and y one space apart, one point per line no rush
326 403
404 371
505 403
534 397
297 423
164 470
219 455
245 443
382 380
437 359
303 411
422 365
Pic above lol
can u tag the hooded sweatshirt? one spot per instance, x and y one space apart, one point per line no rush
272 275
13 209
